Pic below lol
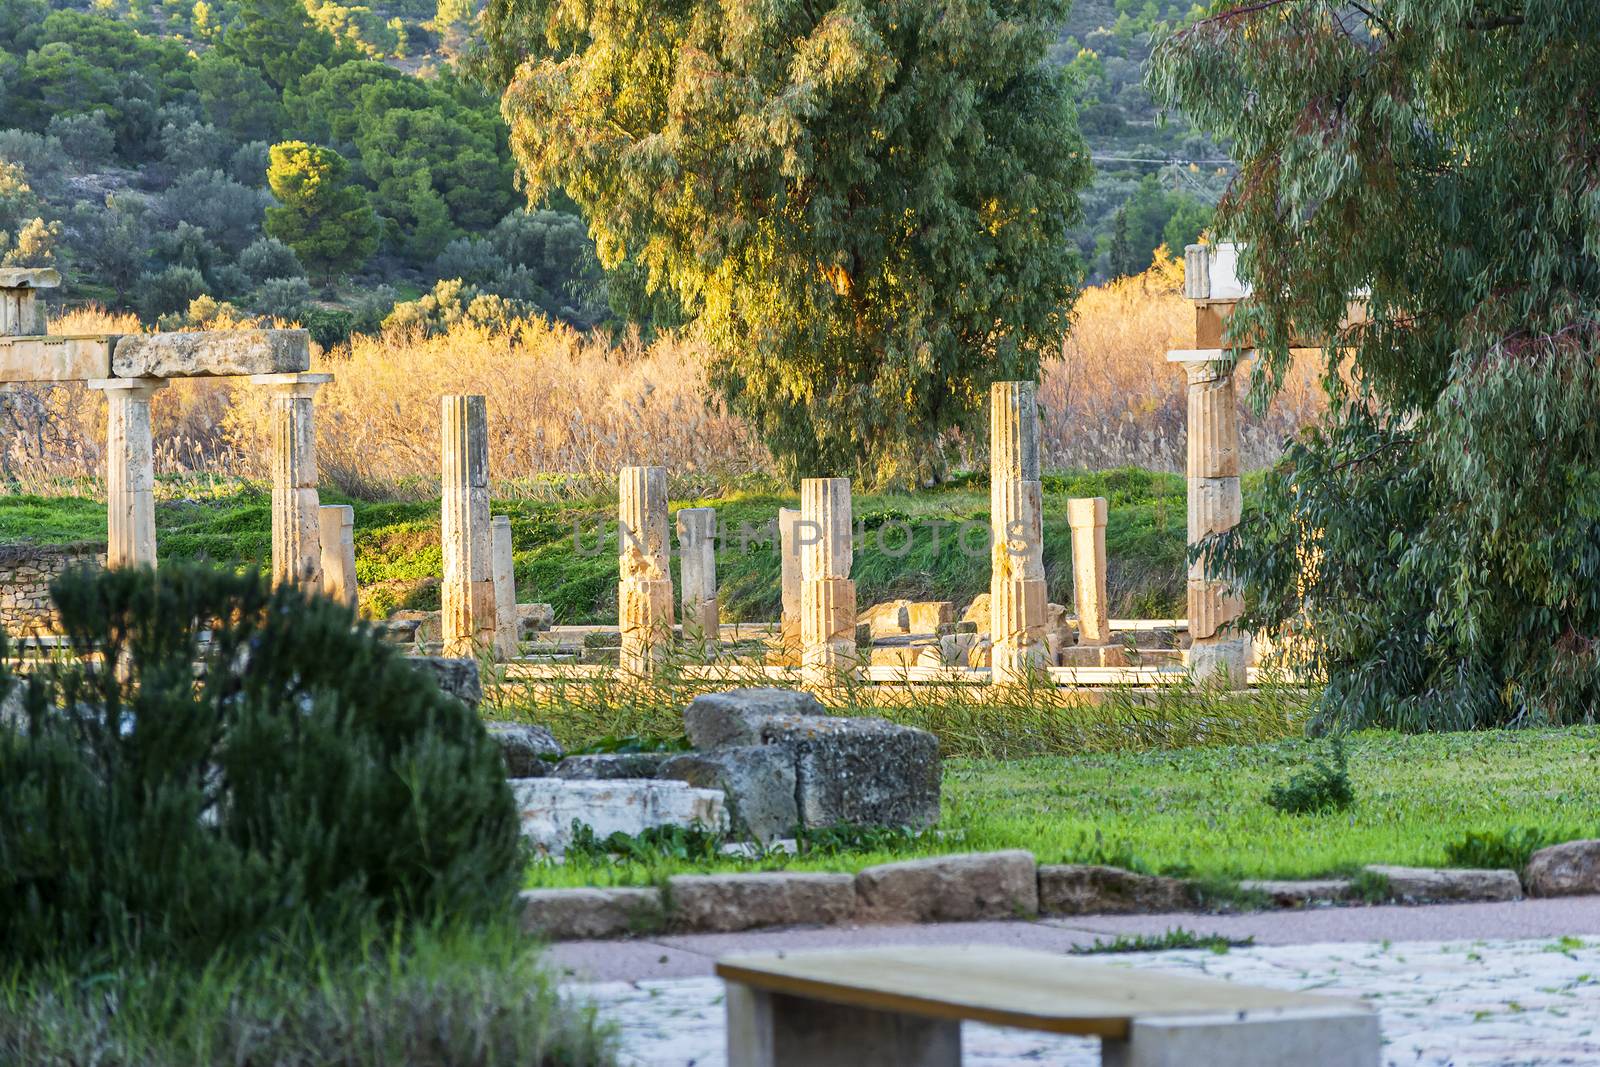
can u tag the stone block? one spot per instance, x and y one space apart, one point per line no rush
1417 884
524 748
926 616
1214 660
581 914
860 771
29 278
1343 1034
758 781
977 613
1565 870
887 620
1089 889
456 676
1298 894
54 359
534 618
961 888
549 806
609 766
734 718
211 353
721 903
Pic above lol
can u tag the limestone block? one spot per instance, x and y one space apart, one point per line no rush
54 359
336 524
927 616
697 568
1298 894
211 353
860 771
1088 889
524 747
789 568
722 903
1343 1034
29 278
888 619
824 531
1443 884
734 718
977 613
960 888
585 913
605 766
758 780
1216 659
1060 631
549 806
503 568
455 676
535 618
1569 869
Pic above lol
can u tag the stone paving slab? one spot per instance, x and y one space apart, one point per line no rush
1458 1003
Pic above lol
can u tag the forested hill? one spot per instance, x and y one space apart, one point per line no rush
135 154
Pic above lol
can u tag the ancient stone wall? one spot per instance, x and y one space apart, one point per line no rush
26 572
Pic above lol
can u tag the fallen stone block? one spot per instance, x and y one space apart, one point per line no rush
1092 656
609 766
864 772
457 677
1565 870
758 780
1089 889
982 885
886 620
727 902
534 618
1298 894
926 616
549 806
715 720
1417 884
524 748
579 914
977 613
211 353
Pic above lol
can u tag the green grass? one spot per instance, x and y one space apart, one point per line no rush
397 542
1201 812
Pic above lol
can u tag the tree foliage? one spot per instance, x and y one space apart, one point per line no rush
1435 549
326 220
866 205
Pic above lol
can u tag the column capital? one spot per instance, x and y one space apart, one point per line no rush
146 386
293 383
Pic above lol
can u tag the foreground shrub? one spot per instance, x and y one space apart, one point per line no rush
1324 786
302 779
1501 850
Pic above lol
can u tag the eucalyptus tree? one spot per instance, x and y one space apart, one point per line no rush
1435 544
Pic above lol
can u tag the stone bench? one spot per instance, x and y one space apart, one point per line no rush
898 1007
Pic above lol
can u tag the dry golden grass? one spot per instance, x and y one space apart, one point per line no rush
569 408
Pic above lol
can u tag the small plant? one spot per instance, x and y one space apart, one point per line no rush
843 838
628 744
654 843
1174 939
1322 787
1507 849
1370 887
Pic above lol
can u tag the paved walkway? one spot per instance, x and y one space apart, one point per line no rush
1467 985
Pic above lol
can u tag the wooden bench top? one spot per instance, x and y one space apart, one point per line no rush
1007 987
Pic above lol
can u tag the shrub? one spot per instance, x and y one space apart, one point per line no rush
283 298
293 775
267 258
1324 786
1507 849
172 289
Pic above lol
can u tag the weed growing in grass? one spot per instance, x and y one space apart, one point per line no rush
1324 786
1174 939
1507 849
650 844
1371 887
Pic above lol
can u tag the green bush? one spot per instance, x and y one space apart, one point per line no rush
1497 850
174 797
1324 786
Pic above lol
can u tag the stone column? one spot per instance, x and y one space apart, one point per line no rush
644 594
1215 505
130 471
503 565
296 526
467 595
789 570
697 569
1087 517
1017 599
337 523
827 595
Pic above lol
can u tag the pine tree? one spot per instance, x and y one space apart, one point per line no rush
326 220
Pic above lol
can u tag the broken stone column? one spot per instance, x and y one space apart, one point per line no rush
697 569
337 524
827 595
789 569
1087 517
1016 578
1215 506
503 565
467 620
20 313
296 524
130 471
644 594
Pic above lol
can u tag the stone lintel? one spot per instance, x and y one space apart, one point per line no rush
29 278
292 384
128 385
211 353
55 358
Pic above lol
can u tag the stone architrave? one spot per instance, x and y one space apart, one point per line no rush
644 592
467 593
1087 518
211 353
296 522
337 523
828 652
697 568
1017 596
789 569
130 471
503 564
20 313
